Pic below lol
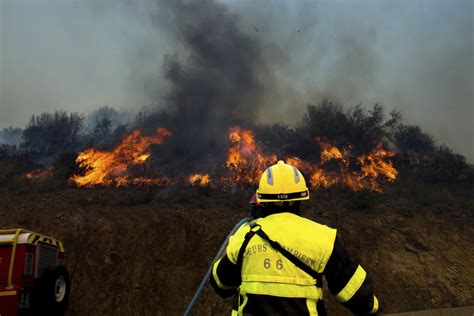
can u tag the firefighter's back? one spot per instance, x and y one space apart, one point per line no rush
272 283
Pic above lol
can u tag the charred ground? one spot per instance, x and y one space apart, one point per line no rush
144 251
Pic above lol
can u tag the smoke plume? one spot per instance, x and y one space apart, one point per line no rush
213 83
240 60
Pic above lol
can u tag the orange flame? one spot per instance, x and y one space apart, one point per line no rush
329 152
199 179
244 159
245 163
374 168
111 167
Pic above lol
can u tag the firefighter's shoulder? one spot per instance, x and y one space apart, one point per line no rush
296 225
235 242
294 230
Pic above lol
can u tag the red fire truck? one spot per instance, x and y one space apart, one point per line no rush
33 279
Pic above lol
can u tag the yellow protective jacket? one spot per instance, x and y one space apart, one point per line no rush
267 282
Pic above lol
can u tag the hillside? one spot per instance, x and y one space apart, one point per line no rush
144 251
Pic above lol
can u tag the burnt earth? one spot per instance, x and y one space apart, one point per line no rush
144 251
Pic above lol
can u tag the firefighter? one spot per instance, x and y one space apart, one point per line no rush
274 264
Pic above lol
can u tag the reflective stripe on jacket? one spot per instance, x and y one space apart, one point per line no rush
269 283
267 272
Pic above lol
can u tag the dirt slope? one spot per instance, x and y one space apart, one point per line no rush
143 252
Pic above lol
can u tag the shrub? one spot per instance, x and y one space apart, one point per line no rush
446 165
409 140
51 135
348 126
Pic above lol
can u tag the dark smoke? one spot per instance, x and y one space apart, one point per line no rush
215 81
247 65
213 87
415 56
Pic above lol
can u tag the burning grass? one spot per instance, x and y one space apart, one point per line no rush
113 167
246 160
199 179
358 173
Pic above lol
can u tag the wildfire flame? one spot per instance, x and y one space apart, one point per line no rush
199 179
245 160
372 168
112 167
245 163
329 152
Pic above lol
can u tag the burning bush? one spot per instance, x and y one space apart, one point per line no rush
320 146
245 160
367 171
116 167
199 179
348 126
244 165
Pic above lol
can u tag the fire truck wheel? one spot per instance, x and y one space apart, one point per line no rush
51 292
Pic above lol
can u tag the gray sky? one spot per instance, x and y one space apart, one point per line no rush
415 56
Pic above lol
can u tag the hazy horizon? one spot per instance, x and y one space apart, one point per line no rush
413 56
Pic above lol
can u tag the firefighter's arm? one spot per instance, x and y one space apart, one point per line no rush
349 282
225 277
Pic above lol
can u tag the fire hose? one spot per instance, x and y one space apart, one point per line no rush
204 280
